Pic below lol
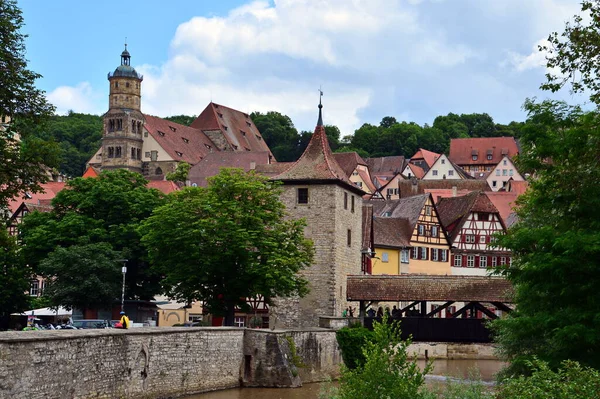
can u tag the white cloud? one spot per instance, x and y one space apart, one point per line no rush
535 59
81 98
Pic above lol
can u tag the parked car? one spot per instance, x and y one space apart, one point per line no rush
91 323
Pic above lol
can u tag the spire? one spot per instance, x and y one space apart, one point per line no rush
320 121
125 57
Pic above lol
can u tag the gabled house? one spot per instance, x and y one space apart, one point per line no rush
356 170
445 169
386 165
471 221
502 173
412 187
211 164
413 171
419 239
389 191
424 159
478 156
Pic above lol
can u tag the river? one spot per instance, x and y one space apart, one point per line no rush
453 368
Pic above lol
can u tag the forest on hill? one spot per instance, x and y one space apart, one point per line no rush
79 135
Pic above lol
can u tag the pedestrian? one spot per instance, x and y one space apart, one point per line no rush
124 322
345 313
395 311
380 312
371 312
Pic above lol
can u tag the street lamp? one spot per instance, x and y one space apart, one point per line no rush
124 271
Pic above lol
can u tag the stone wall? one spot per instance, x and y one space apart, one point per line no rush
157 363
328 222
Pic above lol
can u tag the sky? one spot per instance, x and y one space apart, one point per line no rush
411 59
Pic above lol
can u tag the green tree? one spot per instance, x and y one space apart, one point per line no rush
180 174
279 133
185 120
228 242
574 55
14 279
556 243
103 210
387 371
25 161
83 276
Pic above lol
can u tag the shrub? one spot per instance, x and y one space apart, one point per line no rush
570 381
351 341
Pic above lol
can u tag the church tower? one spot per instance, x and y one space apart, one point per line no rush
317 189
123 122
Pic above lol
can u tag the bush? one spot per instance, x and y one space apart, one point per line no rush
570 381
351 341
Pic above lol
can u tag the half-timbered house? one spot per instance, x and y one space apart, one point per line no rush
419 236
471 222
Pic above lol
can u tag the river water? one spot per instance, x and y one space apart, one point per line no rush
453 368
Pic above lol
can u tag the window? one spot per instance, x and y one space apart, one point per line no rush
483 261
470 239
207 146
385 257
458 260
239 321
111 152
489 157
427 210
117 152
504 162
443 161
471 261
225 127
444 255
34 288
352 204
386 214
423 253
497 172
494 261
502 261
434 231
482 239
434 254
404 256
249 124
349 238
451 172
474 157
435 172
504 172
421 229
359 184
302 196
179 154
161 134
510 172
116 85
185 140
345 200
494 184
158 171
415 253
153 155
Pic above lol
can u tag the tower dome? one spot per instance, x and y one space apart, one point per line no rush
125 69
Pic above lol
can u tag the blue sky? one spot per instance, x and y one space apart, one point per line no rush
412 59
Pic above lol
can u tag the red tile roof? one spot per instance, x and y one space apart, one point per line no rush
348 161
237 127
462 150
385 165
364 175
453 212
166 186
392 232
407 208
445 193
411 187
318 164
429 288
428 156
49 191
367 227
181 142
417 171
213 162
504 202
273 169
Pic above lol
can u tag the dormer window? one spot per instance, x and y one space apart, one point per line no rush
249 124
474 157
179 154
161 134
225 127
243 133
258 137
207 146
247 149
235 147
220 115
185 140
172 129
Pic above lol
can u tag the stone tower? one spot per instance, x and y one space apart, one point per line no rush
124 122
317 189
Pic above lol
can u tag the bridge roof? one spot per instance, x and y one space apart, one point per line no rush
429 288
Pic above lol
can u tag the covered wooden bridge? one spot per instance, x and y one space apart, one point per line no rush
462 299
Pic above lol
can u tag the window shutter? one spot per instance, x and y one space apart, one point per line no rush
463 237
426 253
451 260
476 260
477 238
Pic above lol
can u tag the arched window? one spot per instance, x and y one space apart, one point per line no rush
158 171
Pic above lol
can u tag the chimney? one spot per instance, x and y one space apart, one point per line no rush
252 165
454 191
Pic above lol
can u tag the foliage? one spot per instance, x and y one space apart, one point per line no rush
570 381
185 120
14 279
351 342
181 173
25 161
556 243
471 388
85 276
78 136
107 209
279 133
227 242
387 371
574 55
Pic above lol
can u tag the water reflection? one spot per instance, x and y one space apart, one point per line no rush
453 368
